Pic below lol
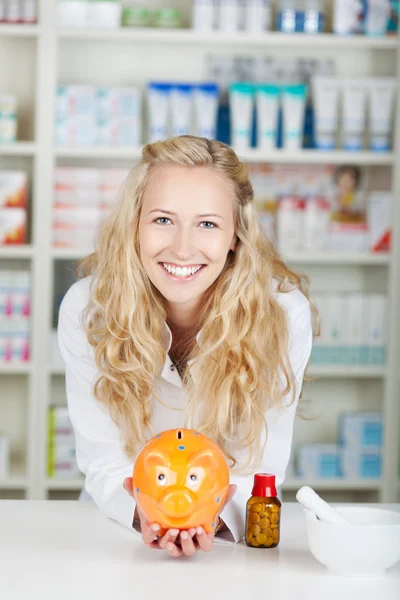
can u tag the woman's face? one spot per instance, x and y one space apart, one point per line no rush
186 230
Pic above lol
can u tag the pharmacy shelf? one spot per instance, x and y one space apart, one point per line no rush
70 253
347 372
65 484
317 157
335 258
56 370
56 53
15 369
332 484
23 30
14 482
255 155
193 38
16 252
320 258
18 149
343 372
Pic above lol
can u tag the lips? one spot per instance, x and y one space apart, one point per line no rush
178 275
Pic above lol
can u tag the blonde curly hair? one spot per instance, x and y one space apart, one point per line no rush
244 333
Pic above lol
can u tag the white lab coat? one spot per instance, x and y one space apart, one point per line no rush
99 450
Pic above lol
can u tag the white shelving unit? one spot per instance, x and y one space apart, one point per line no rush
133 57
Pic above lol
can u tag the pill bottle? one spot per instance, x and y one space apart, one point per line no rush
263 513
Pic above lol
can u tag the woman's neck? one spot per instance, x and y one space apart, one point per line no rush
181 318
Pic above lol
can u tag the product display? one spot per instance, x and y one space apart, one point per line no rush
300 16
181 479
18 11
353 329
104 116
8 118
61 457
229 16
13 207
356 455
81 200
181 108
15 290
310 208
263 513
112 14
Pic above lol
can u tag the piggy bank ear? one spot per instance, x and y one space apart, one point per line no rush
205 458
155 459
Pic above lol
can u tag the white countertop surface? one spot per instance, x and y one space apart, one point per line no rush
68 550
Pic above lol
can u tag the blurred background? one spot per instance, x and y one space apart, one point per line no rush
306 91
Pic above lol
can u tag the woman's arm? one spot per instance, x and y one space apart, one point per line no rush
280 420
99 452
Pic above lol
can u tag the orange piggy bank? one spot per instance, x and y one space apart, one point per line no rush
180 480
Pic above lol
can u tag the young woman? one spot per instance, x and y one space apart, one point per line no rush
185 316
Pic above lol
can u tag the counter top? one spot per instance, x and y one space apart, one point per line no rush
68 550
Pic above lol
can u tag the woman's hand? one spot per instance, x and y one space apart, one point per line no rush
175 541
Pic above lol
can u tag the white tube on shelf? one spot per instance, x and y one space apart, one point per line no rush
206 108
258 16
103 15
267 103
354 113
381 92
293 104
326 104
158 110
181 108
231 15
241 101
72 13
204 15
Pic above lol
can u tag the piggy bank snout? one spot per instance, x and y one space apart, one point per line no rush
177 502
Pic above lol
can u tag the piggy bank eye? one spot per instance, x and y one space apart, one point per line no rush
194 478
161 479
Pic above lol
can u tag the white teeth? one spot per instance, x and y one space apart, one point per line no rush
181 271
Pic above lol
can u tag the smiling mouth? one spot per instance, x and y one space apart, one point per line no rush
181 273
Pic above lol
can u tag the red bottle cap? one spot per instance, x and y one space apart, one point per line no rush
264 485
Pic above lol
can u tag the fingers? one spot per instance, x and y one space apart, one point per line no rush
169 538
128 485
187 544
149 532
204 540
231 492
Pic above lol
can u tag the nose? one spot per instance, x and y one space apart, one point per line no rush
177 503
183 244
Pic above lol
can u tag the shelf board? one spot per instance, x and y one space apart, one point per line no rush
337 258
347 372
320 258
357 372
192 37
56 370
19 30
65 484
14 482
16 252
332 484
70 253
15 368
251 155
18 149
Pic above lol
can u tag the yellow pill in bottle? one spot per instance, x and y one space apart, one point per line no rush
263 510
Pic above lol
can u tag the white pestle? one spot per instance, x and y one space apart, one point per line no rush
324 511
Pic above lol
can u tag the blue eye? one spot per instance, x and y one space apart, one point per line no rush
159 218
213 225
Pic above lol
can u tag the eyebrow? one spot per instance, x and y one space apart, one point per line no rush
168 212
